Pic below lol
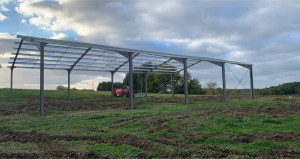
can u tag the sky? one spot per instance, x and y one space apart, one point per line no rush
265 33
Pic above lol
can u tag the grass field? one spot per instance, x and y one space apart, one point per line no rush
93 125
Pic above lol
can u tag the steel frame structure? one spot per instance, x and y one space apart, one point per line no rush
42 53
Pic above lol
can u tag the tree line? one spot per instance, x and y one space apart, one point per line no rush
157 83
283 89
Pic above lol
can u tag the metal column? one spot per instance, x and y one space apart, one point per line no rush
172 84
224 81
69 84
131 80
251 82
185 81
41 47
11 82
146 90
112 84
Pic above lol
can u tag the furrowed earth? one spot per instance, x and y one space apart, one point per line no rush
93 125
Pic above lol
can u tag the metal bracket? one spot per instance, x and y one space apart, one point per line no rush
123 53
217 63
113 72
181 60
246 66
38 44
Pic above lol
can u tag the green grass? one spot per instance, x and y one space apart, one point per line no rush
17 147
171 123
113 150
257 147
239 126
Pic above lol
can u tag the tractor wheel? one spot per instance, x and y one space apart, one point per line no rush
124 95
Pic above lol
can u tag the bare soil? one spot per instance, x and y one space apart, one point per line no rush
157 123
44 140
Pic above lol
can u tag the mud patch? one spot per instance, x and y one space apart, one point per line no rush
247 138
54 155
25 137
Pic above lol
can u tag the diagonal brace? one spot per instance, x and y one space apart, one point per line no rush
116 69
13 64
239 80
189 66
86 51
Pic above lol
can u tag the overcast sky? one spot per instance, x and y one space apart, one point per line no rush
265 33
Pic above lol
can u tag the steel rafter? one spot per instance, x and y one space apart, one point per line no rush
157 66
118 49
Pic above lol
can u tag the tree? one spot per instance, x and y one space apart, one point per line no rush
194 86
60 87
283 89
106 86
211 86
162 82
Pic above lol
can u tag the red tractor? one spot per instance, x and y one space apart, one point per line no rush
123 92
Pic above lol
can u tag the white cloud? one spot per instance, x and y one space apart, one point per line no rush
3 8
2 17
23 21
213 50
61 36
5 1
6 45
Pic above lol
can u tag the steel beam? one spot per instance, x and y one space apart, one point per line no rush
224 81
11 82
185 81
131 80
41 47
172 83
69 71
251 82
146 89
112 84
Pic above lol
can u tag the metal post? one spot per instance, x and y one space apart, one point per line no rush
11 82
224 81
112 84
172 83
146 90
131 80
185 81
69 84
42 46
251 82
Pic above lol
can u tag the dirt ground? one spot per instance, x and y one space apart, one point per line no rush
158 123
103 103
44 140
